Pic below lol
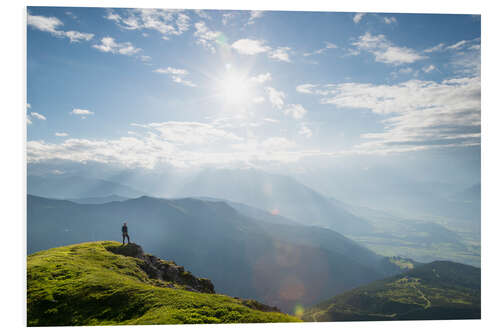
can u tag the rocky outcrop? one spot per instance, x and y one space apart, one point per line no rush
253 304
168 271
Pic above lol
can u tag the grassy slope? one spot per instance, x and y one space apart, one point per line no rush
85 284
439 290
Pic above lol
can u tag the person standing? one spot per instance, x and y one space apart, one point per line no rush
125 233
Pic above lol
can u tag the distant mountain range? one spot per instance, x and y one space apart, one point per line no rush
397 192
278 264
99 200
64 187
438 290
424 240
283 200
280 195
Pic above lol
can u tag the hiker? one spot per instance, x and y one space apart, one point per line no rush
125 233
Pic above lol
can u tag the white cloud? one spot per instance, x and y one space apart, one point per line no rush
305 131
322 50
42 23
178 144
179 79
277 98
75 36
145 58
62 134
281 54
435 48
108 44
170 70
357 18
28 105
305 88
254 14
203 14
429 68
308 88
297 111
465 56
113 17
418 114
38 116
165 21
386 52
177 75
250 46
261 78
457 45
467 61
128 152
81 112
189 133
206 37
51 25
390 20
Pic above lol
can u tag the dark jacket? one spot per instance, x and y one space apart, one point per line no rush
124 229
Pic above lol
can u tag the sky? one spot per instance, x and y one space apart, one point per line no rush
296 92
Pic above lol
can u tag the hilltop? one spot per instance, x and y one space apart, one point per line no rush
438 290
107 283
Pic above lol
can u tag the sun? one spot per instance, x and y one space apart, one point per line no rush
234 88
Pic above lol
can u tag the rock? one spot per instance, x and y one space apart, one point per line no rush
253 304
163 270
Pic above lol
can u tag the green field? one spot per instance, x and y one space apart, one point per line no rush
87 284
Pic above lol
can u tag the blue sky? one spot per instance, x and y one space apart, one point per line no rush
153 89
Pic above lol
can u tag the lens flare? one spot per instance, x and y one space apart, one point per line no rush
298 310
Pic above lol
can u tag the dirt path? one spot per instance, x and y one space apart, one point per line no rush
424 297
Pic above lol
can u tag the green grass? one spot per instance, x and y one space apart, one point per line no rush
86 284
